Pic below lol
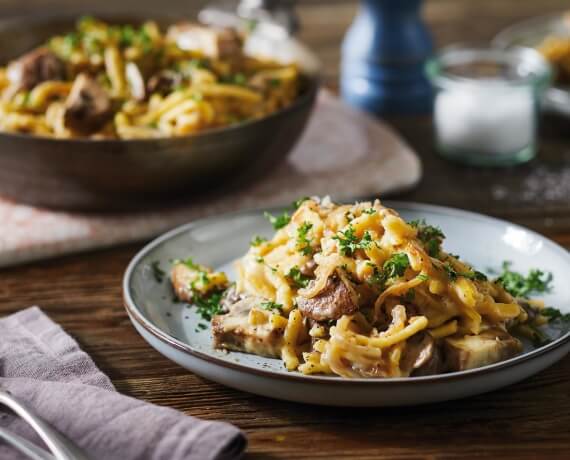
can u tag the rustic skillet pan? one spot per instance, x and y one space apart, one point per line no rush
119 174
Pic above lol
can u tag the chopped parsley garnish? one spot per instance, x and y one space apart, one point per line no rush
303 241
275 82
197 63
278 221
203 278
348 242
553 314
475 275
538 337
239 79
430 235
207 306
127 35
298 278
271 306
472 275
300 201
251 24
394 267
518 285
71 40
369 211
189 263
423 277
257 240
451 273
157 272
235 79
259 260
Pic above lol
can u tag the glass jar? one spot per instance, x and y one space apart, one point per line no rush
486 106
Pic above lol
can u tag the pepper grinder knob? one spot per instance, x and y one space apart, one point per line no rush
383 58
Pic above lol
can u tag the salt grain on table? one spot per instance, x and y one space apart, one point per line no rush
547 185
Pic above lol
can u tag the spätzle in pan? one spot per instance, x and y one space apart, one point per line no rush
103 81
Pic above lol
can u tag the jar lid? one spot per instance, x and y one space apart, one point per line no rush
485 66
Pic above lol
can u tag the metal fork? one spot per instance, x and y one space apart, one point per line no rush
61 448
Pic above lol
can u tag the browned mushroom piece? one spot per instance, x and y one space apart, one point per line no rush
472 351
421 356
308 268
36 67
217 43
88 106
164 82
233 331
335 300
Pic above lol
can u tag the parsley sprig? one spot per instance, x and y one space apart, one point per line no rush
278 222
271 306
283 219
453 274
258 240
300 201
348 242
430 235
157 272
553 314
207 306
303 240
394 267
298 278
518 285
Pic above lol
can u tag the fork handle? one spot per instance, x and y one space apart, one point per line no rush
61 447
24 446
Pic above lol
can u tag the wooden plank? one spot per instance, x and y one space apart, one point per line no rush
524 421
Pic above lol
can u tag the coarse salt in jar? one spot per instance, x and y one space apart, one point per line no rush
487 104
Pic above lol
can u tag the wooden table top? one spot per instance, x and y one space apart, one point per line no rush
527 420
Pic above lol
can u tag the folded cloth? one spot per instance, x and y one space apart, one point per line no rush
45 369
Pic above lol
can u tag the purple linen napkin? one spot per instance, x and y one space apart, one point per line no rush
44 368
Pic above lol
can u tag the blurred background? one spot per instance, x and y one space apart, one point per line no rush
450 21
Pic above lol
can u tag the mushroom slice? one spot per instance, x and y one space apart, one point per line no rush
88 106
421 356
36 67
472 351
217 43
335 300
235 331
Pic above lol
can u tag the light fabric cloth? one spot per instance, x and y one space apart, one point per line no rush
45 369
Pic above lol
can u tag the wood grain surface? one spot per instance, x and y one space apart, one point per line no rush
524 421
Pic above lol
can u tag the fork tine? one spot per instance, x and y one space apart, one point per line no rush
26 447
60 446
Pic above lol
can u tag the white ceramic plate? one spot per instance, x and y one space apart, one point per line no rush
172 328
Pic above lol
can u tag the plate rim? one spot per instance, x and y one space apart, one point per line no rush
500 41
136 315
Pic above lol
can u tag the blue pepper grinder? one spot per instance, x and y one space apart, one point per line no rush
383 58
